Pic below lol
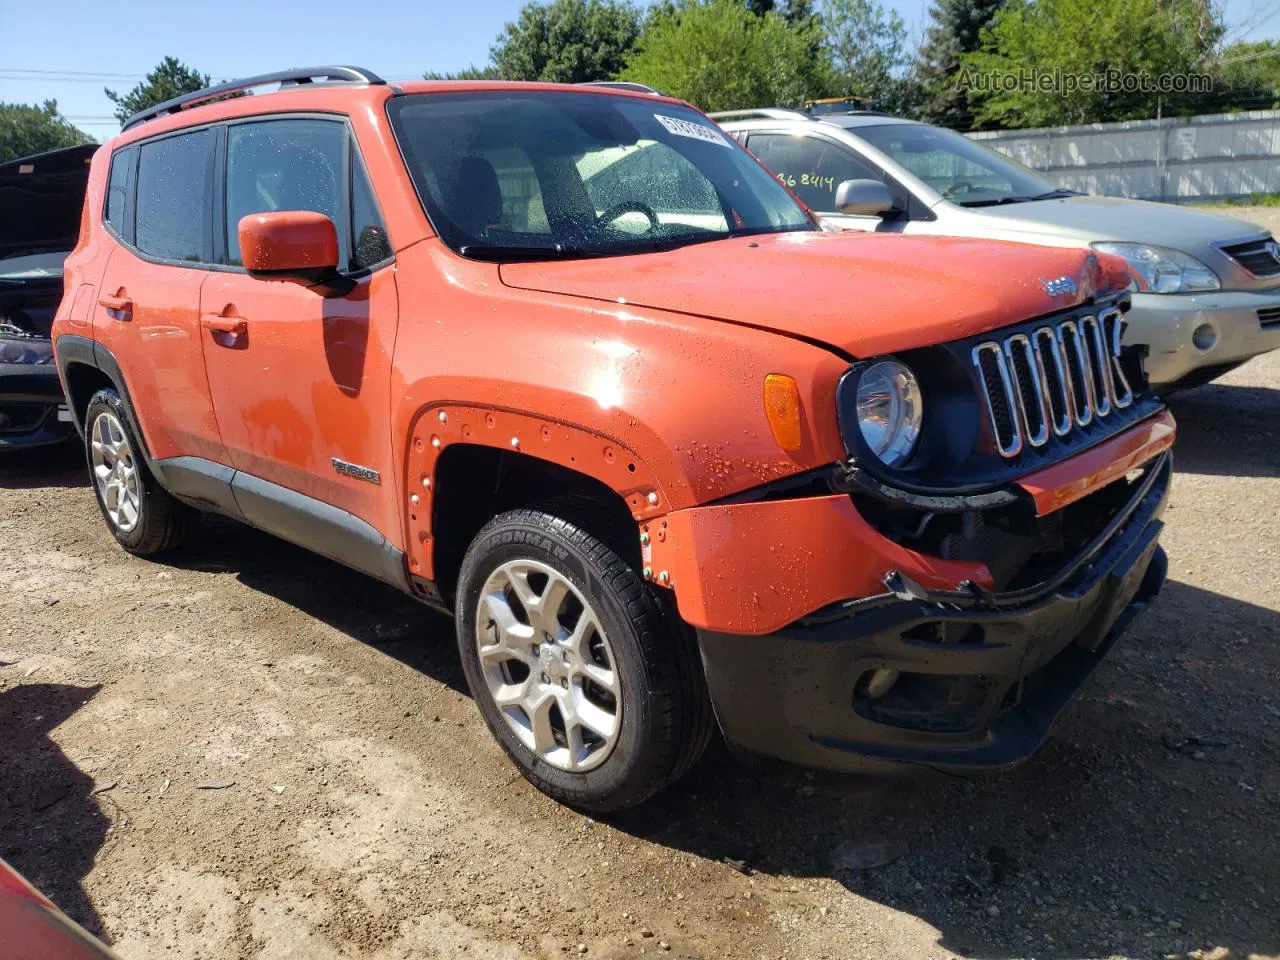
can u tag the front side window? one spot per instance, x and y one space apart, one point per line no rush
531 175
370 244
171 204
284 165
959 169
811 167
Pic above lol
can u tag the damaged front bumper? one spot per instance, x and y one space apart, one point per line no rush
947 679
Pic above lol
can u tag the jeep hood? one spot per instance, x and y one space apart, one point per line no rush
1093 219
863 294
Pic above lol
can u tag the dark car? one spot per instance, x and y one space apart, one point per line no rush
40 204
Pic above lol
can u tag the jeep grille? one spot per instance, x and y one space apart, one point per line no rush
1057 379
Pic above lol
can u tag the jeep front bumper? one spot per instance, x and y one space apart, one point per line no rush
975 678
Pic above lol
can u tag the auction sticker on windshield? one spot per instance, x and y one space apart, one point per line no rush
694 131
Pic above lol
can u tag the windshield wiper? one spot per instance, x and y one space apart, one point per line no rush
514 253
1049 195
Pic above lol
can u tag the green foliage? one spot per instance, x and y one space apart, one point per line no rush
955 29
1080 38
29 129
865 53
171 78
566 41
488 72
1248 74
719 55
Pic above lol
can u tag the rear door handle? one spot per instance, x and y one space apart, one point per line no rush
217 323
121 305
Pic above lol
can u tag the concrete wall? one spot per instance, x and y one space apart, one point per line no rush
1214 157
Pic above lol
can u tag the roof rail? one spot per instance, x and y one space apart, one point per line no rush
760 113
621 85
296 76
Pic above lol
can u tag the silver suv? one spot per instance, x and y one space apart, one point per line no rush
1206 288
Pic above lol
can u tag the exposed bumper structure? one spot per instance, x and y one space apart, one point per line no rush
1168 325
32 406
829 645
970 687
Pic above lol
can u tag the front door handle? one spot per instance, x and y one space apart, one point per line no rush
118 305
217 323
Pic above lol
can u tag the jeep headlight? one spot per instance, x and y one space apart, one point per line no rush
1161 269
890 409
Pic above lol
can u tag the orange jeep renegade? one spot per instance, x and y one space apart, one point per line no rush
569 363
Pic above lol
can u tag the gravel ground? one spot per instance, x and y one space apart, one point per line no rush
250 752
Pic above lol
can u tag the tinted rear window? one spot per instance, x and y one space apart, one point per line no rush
118 188
173 179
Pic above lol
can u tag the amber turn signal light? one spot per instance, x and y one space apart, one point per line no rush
782 407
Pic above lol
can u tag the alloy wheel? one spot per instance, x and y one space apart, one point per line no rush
548 665
115 472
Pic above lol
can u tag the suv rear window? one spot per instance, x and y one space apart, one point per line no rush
118 189
173 182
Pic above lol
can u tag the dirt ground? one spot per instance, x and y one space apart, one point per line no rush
362 810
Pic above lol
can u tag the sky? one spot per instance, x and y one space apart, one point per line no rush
70 49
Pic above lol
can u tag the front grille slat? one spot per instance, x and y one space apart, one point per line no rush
1268 317
1028 390
1258 257
993 374
1113 324
1062 377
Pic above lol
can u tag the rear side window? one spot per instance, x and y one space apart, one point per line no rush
285 165
173 180
811 167
118 189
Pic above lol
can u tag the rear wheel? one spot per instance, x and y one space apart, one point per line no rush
141 515
590 686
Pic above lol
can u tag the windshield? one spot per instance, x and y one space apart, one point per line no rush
961 170
528 175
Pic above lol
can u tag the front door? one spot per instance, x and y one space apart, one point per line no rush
300 380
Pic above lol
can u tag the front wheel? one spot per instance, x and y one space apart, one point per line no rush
590 686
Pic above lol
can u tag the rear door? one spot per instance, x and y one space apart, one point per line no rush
302 392
148 310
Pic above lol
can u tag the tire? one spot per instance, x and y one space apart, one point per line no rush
146 520
662 712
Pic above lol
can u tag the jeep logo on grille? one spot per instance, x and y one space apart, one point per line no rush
1058 286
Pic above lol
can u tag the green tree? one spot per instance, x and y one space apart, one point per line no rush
488 72
1083 39
27 129
1248 76
171 78
955 29
719 55
567 41
865 52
